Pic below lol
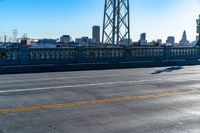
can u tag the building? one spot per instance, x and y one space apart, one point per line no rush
143 40
85 41
170 40
197 38
159 42
46 43
126 41
26 42
96 34
82 41
184 41
15 32
194 43
65 39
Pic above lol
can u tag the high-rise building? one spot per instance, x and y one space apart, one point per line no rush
15 32
170 40
65 39
184 41
96 34
143 40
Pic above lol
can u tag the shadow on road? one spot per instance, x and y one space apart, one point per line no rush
170 69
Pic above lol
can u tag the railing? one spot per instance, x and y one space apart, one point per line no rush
36 56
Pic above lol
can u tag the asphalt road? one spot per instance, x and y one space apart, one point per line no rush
151 100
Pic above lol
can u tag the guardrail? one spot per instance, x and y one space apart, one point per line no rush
36 56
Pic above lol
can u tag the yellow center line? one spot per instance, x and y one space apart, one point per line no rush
94 102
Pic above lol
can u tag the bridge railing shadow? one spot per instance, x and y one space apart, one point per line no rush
169 69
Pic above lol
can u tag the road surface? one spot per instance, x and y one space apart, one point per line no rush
144 100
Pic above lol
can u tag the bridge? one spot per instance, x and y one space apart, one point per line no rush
116 20
153 100
79 56
30 56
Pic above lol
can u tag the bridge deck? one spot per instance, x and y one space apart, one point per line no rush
153 100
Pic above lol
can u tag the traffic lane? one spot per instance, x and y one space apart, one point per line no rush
62 75
161 115
138 71
95 83
98 101
62 95
105 76
104 91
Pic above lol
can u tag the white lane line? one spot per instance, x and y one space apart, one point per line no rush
55 78
35 77
98 84
75 77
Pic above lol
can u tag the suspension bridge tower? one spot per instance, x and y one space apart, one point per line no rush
116 23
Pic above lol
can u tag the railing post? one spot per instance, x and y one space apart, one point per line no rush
127 54
80 54
198 48
167 53
24 56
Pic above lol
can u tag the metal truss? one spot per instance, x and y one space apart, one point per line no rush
116 23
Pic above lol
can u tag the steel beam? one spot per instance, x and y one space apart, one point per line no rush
116 23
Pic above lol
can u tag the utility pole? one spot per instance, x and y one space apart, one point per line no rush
5 39
116 22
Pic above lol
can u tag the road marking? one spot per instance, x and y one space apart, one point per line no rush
53 78
95 102
57 77
97 84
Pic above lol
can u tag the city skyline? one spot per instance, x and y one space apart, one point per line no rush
158 19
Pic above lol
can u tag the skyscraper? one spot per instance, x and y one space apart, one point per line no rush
171 40
96 34
143 40
15 35
184 41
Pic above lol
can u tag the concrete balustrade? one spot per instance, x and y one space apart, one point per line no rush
30 56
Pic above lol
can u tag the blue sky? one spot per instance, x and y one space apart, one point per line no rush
52 18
